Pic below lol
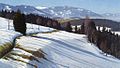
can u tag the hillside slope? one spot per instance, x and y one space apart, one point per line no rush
65 50
61 49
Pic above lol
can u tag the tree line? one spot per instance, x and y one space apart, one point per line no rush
104 39
36 19
20 19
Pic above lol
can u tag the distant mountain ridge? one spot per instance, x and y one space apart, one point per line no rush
67 12
111 14
24 8
58 11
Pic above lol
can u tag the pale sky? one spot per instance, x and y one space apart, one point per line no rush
98 6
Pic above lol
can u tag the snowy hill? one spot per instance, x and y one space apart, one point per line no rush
61 50
58 11
67 50
68 12
24 8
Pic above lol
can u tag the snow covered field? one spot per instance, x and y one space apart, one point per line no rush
67 50
5 34
8 35
61 49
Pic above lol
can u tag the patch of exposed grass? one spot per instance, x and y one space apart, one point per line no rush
51 31
11 57
43 32
62 21
38 54
5 48
34 55
25 56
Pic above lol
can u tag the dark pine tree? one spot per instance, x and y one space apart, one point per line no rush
82 29
19 22
76 29
68 27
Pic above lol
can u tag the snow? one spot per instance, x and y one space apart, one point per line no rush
25 7
4 23
62 49
68 50
81 9
35 29
88 11
36 12
118 32
61 12
56 14
68 12
107 28
5 34
52 11
7 7
40 7
3 65
31 28
107 14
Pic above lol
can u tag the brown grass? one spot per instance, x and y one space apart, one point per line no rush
5 48
26 57
10 57
38 54
35 54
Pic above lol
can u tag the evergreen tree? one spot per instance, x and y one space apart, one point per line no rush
89 26
76 30
39 21
68 27
59 26
49 23
79 31
19 22
103 29
82 29
56 24
98 28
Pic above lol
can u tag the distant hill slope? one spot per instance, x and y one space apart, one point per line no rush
100 22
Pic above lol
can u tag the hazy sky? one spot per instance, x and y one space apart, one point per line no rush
99 6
